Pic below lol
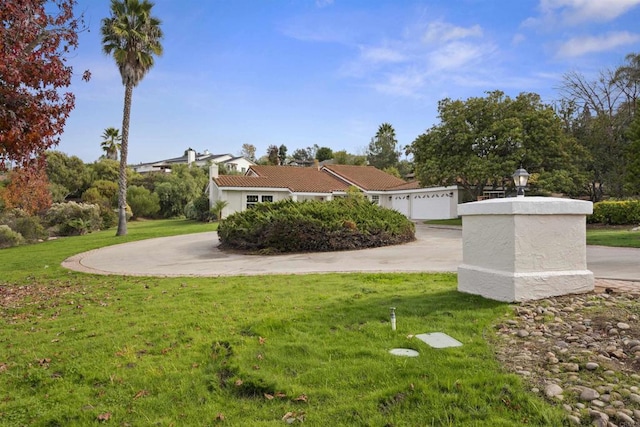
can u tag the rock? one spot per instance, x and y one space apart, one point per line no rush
635 398
598 415
574 420
552 390
589 394
623 326
570 367
591 366
598 403
625 418
523 333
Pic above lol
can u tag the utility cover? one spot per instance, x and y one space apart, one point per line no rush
406 352
439 340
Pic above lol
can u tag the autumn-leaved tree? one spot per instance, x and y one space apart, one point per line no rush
28 189
35 36
133 37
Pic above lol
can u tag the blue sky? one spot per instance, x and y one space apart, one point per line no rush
329 72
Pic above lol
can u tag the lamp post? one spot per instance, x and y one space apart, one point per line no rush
520 178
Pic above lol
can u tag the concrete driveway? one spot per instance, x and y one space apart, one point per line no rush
435 250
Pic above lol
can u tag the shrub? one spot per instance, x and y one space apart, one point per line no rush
143 203
71 218
104 194
30 227
621 212
288 226
9 238
199 210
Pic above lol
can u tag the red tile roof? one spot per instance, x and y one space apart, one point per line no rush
366 177
411 185
311 180
306 180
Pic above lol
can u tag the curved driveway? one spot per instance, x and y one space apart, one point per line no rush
435 250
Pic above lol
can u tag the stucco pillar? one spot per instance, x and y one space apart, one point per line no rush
524 248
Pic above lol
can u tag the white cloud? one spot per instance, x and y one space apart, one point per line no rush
579 46
453 56
404 83
580 11
378 54
445 32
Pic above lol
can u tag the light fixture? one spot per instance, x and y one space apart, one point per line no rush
520 178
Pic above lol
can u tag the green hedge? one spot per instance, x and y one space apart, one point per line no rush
340 224
622 212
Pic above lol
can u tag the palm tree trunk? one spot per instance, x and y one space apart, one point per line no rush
122 174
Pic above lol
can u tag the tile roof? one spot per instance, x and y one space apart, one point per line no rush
366 177
411 185
328 179
305 180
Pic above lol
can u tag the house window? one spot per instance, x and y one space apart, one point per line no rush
375 200
267 199
251 201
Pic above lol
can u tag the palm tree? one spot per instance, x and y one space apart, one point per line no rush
111 143
217 208
133 37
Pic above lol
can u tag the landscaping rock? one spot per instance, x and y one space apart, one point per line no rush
589 394
552 390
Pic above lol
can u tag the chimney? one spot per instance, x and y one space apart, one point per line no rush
191 156
213 171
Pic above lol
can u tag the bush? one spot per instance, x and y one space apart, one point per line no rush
199 210
29 227
288 226
9 238
104 194
143 203
621 212
72 219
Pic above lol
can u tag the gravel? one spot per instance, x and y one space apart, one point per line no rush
581 352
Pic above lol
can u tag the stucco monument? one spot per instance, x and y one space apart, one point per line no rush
524 248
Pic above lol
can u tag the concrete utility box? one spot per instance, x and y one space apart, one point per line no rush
524 248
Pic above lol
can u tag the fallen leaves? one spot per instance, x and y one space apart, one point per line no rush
141 393
104 417
292 417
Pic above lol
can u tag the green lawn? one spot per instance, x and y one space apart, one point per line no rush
614 237
79 349
607 236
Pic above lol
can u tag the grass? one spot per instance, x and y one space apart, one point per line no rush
600 235
80 349
452 221
614 237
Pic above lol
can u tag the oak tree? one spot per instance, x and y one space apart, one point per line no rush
480 142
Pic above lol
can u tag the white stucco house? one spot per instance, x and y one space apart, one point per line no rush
191 157
274 183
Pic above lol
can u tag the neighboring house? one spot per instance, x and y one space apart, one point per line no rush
228 161
274 183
